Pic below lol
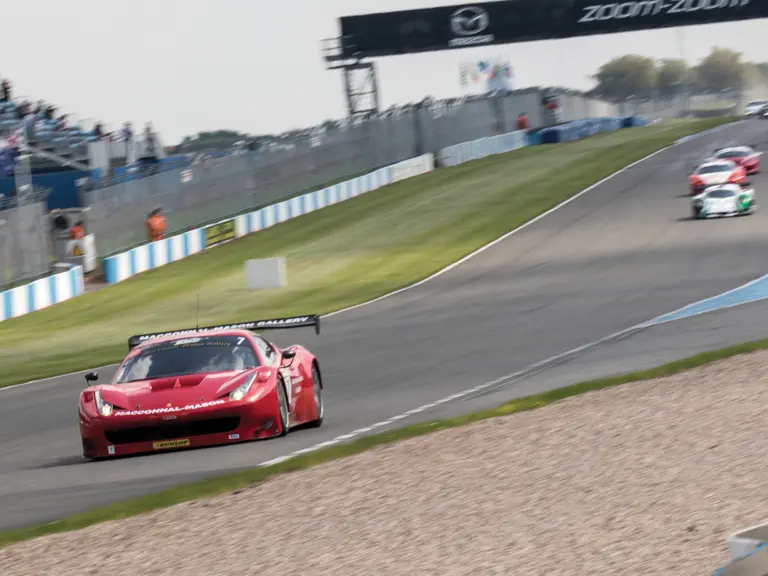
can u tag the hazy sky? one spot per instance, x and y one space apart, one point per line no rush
256 66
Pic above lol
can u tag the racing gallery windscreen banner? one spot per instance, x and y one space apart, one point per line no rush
511 21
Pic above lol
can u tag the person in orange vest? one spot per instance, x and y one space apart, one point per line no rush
77 232
156 225
522 121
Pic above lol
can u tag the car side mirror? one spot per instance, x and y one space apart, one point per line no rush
288 356
91 377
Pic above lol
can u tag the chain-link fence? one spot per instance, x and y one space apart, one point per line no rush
24 241
302 160
683 105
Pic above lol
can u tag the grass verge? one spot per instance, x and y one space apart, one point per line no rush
200 215
337 257
239 480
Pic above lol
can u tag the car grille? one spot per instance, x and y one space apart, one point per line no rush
171 431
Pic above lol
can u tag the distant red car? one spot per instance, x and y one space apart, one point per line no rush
713 173
744 156
201 387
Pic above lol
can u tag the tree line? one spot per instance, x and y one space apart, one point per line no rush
634 76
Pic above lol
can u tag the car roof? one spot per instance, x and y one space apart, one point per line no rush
730 187
729 163
734 149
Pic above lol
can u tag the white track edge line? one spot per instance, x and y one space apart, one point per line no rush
507 378
502 237
501 380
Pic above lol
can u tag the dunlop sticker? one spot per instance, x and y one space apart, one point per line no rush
170 444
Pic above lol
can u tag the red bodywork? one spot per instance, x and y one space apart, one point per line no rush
748 159
196 410
696 184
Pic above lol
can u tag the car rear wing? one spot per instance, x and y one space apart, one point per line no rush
252 325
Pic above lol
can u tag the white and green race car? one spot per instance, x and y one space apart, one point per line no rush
724 200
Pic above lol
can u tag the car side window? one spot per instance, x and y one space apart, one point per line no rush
265 349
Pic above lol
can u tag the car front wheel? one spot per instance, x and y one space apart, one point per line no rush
317 388
283 409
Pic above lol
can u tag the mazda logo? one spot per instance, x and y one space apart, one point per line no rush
469 21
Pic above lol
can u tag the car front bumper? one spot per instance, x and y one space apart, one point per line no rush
108 438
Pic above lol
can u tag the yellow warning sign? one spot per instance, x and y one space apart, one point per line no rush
76 251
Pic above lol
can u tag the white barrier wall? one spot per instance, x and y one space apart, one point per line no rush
476 149
142 258
42 293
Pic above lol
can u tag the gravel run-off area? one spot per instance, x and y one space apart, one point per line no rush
645 478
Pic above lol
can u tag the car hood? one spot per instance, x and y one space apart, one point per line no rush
173 391
719 203
714 177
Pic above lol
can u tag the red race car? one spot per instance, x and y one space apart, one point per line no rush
745 156
201 387
715 172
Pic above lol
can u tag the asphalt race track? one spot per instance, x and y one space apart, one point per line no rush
620 255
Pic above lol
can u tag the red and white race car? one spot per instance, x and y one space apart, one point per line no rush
715 172
200 387
745 156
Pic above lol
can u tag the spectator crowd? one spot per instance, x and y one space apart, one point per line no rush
23 120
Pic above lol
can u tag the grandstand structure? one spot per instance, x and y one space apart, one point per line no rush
65 150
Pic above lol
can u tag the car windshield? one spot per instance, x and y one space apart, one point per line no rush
713 168
757 103
189 356
732 153
721 194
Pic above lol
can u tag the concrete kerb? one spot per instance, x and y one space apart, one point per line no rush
748 553
747 540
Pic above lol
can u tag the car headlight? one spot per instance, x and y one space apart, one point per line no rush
104 408
240 392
